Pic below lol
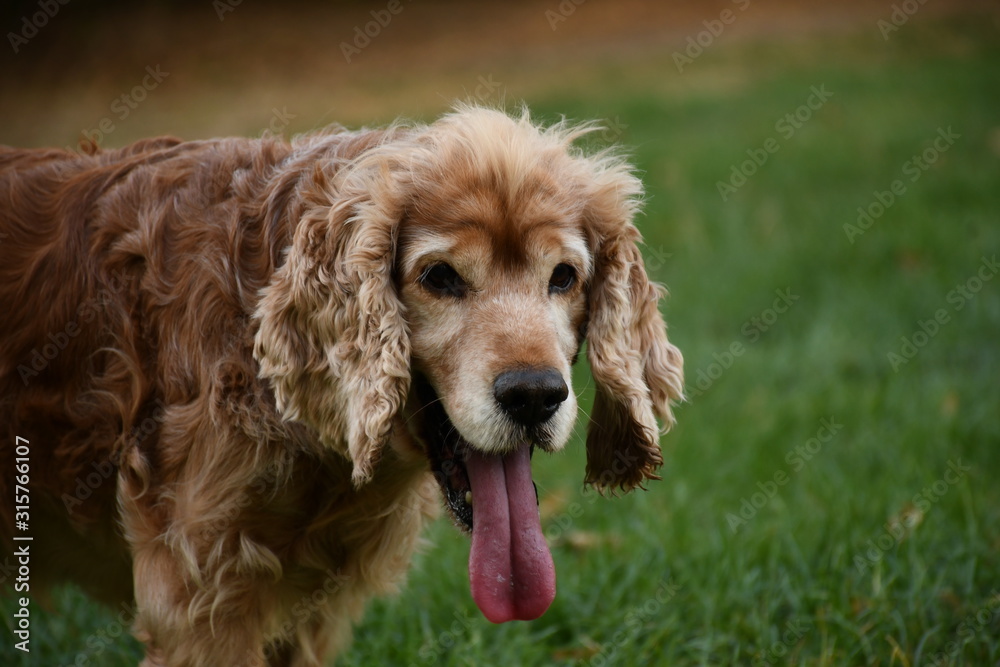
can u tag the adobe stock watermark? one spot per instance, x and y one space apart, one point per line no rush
786 127
612 131
796 459
559 527
487 89
223 7
697 44
752 329
914 168
777 652
895 531
656 258
757 325
106 637
967 630
55 343
901 13
365 34
305 609
122 106
433 653
957 298
635 620
280 120
562 12
273 474
32 23
102 471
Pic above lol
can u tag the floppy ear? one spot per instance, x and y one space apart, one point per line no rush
333 339
637 371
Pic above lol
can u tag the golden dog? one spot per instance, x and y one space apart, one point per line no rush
243 366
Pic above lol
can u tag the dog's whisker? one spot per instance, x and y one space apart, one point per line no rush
416 412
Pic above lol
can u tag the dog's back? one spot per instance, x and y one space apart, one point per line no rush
101 257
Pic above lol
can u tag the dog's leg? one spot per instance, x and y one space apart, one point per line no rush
190 624
200 600
315 642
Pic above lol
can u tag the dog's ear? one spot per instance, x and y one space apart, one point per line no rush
636 370
333 338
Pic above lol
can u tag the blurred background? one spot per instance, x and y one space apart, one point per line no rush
823 200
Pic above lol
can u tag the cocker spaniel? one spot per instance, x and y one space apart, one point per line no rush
245 371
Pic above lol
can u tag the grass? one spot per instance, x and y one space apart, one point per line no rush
862 547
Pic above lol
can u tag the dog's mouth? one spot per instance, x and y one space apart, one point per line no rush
491 496
446 451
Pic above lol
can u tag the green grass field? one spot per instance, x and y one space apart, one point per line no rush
830 495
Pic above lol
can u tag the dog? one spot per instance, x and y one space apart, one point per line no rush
238 376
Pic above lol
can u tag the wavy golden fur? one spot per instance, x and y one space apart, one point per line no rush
224 354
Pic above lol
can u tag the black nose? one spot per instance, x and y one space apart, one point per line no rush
530 395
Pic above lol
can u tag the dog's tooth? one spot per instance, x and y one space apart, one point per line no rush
468 498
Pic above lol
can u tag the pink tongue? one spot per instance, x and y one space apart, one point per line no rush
510 567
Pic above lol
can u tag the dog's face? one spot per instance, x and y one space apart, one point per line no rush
446 289
496 303
495 292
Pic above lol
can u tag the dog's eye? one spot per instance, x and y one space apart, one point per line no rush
563 277
444 280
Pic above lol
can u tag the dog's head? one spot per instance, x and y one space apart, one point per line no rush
447 287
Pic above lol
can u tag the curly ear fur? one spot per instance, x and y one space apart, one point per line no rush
332 328
637 371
